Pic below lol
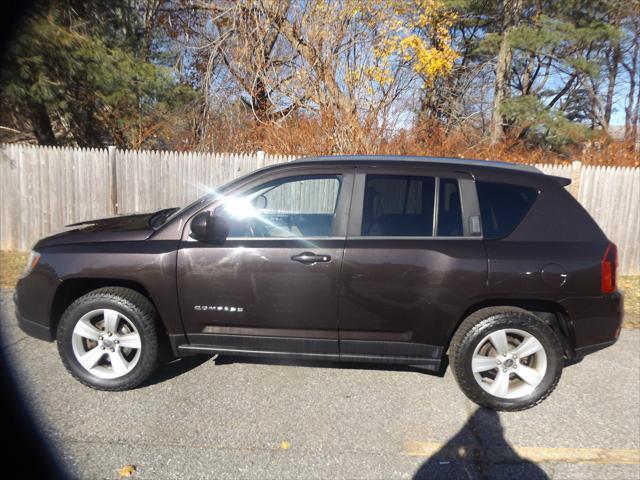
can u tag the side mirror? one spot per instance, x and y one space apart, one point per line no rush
210 228
260 202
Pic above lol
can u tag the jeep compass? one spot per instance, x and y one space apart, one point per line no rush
493 268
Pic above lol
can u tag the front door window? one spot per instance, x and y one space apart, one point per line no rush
295 207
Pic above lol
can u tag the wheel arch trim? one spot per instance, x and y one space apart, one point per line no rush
70 289
551 312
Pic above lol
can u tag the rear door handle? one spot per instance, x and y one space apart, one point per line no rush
309 258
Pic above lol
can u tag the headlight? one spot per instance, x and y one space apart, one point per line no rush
32 261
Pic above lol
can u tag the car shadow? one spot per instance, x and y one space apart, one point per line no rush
478 451
175 368
296 362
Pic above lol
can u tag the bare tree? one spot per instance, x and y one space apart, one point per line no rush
631 64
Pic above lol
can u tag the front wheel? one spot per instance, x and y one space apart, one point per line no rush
506 358
107 339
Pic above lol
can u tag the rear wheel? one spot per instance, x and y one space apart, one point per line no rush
108 340
506 358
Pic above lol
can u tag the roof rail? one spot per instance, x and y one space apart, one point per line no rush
433 160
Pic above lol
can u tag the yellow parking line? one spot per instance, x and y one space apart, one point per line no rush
422 449
533 454
580 455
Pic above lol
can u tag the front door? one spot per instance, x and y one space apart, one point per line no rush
272 286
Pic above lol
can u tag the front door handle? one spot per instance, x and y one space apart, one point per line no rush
309 258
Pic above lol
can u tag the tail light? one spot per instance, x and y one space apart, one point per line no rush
608 268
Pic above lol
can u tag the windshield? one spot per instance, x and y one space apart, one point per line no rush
162 217
176 211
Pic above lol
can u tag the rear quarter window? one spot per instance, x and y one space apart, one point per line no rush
503 206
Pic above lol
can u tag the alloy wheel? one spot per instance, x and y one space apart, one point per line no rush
509 363
106 343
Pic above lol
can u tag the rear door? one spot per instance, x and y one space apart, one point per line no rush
414 260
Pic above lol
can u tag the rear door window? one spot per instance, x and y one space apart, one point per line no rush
503 206
397 205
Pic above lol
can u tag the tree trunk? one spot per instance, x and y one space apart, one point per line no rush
634 133
511 13
614 61
41 125
631 108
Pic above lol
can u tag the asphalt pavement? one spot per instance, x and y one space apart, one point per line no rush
242 418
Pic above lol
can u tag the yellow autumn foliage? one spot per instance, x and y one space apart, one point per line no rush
415 31
429 50
398 33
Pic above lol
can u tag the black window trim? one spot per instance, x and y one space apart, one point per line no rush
436 206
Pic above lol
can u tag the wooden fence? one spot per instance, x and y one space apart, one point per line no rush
44 188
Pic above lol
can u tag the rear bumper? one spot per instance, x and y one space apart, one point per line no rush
596 321
581 352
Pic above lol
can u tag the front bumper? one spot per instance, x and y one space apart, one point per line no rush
30 327
34 329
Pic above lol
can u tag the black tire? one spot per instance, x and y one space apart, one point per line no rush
136 308
482 323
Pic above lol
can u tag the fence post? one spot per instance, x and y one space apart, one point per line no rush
576 169
260 158
114 180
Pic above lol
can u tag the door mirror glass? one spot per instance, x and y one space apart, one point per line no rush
210 228
260 202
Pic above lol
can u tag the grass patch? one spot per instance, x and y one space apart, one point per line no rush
12 265
630 285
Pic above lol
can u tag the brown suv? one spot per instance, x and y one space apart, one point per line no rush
370 259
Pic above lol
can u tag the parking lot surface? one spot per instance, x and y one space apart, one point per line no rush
249 418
